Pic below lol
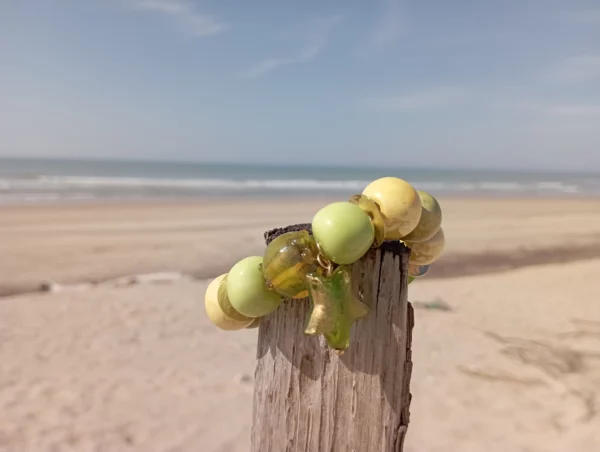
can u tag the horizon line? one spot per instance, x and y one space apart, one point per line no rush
158 160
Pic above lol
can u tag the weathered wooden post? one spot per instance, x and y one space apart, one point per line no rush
308 398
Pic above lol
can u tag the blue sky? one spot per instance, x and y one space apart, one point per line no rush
496 84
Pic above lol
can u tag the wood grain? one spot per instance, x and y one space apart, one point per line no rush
307 398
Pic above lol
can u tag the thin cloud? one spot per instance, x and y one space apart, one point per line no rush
589 16
193 21
559 109
577 69
575 110
424 100
316 41
391 24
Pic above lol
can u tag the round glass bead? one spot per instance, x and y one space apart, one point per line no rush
371 208
287 261
417 270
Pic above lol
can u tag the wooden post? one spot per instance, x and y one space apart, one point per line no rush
307 398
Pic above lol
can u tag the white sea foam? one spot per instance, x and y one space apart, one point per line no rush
58 182
50 188
17 198
560 187
502 186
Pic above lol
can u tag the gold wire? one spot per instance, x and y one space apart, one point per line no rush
323 262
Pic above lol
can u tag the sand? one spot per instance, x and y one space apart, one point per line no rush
511 364
76 243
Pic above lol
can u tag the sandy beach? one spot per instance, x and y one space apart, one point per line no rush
506 345
148 146
95 242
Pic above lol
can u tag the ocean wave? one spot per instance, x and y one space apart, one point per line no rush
44 197
558 186
58 182
62 187
502 186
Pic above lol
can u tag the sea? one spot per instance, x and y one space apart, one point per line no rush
52 180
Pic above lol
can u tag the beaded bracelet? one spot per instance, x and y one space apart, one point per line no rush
298 265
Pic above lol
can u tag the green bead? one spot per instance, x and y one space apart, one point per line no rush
343 231
247 290
287 261
410 279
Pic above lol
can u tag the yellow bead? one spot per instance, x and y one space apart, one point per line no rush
431 219
371 208
427 252
219 310
399 203
287 261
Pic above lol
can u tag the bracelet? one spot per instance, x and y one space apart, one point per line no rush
298 265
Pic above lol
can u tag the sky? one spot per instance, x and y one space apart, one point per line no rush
461 84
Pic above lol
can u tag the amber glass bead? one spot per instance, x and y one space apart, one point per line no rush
287 261
371 208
